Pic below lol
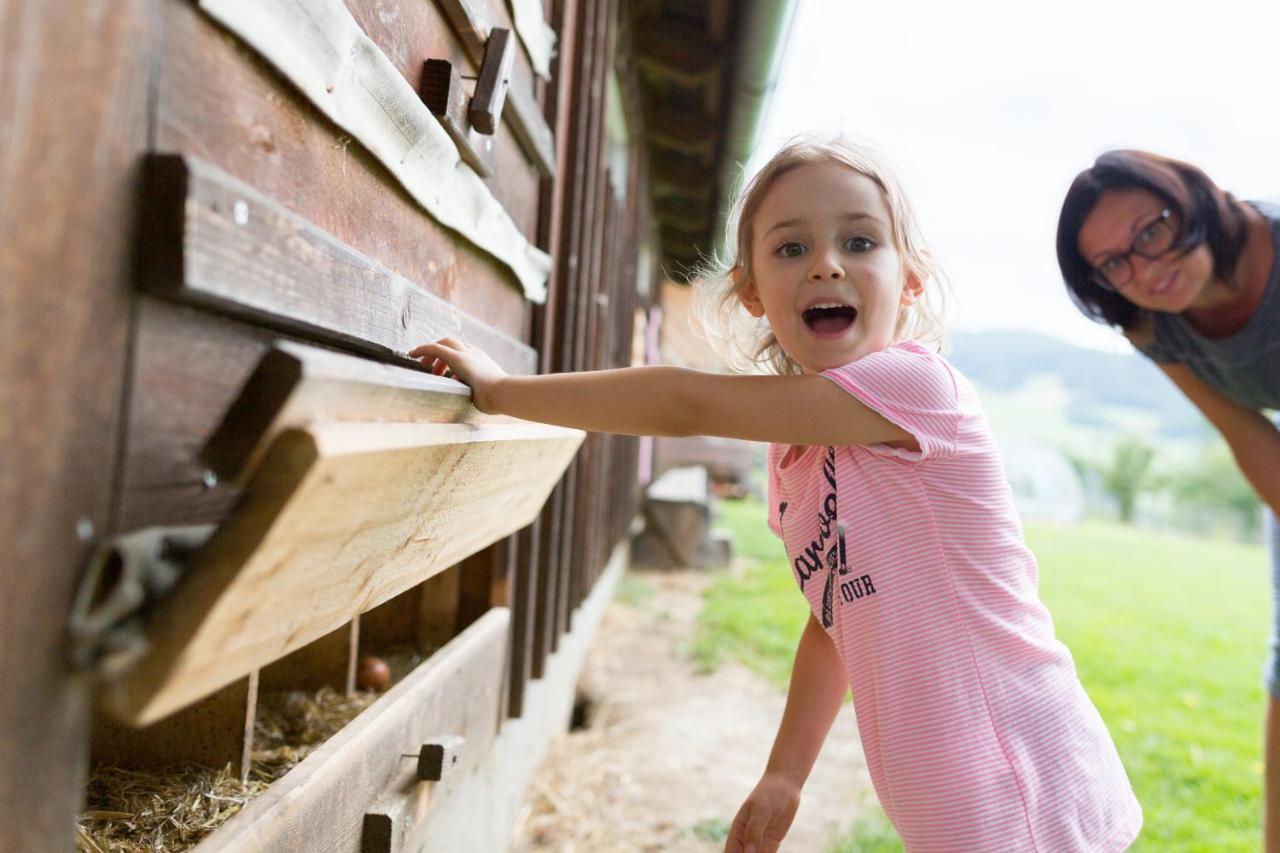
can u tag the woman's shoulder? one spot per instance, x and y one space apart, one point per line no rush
1142 333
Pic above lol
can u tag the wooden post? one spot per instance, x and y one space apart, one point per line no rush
74 82
524 600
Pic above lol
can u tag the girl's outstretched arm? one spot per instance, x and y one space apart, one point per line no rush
818 686
803 410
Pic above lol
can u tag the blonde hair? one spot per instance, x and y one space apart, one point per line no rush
746 341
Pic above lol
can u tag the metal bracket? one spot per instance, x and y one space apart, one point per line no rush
126 576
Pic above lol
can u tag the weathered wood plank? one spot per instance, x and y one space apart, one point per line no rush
320 804
212 240
220 102
337 519
215 732
494 81
295 385
73 82
321 49
414 35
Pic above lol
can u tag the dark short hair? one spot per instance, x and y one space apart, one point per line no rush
1206 213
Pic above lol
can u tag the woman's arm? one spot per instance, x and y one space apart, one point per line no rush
1254 440
803 410
818 686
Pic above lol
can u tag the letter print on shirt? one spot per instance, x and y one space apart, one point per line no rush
828 550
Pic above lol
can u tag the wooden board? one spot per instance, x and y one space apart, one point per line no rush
212 240
337 519
219 101
322 50
319 805
73 82
295 385
214 732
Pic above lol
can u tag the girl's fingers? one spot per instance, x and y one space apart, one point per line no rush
754 833
737 832
435 347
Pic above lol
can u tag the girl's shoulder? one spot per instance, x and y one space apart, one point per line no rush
907 366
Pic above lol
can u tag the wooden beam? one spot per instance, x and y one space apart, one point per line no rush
74 84
320 803
212 240
337 519
684 48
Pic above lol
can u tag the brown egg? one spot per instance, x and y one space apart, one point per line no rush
373 673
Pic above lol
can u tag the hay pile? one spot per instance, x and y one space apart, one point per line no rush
291 723
174 808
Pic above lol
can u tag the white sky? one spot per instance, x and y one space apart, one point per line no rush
989 110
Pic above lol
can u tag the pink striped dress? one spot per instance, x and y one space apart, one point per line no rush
976 730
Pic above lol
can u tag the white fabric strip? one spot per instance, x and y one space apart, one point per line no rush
323 51
535 33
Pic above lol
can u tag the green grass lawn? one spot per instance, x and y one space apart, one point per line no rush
1168 635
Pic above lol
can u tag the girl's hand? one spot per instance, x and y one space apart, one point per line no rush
454 359
765 817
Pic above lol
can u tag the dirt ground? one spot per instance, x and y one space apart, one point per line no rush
668 753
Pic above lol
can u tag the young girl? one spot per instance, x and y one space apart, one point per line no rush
1153 247
887 490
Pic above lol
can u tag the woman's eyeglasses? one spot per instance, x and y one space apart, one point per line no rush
1153 241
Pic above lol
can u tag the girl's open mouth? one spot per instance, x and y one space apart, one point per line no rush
829 318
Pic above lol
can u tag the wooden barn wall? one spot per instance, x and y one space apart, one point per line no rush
73 88
108 393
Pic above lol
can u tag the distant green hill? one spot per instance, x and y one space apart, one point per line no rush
1099 386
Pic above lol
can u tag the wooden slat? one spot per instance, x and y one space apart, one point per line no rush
73 82
212 240
214 732
524 588
337 519
320 803
493 82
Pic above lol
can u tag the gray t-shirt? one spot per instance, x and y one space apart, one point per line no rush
1244 366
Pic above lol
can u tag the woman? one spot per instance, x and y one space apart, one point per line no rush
1188 274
